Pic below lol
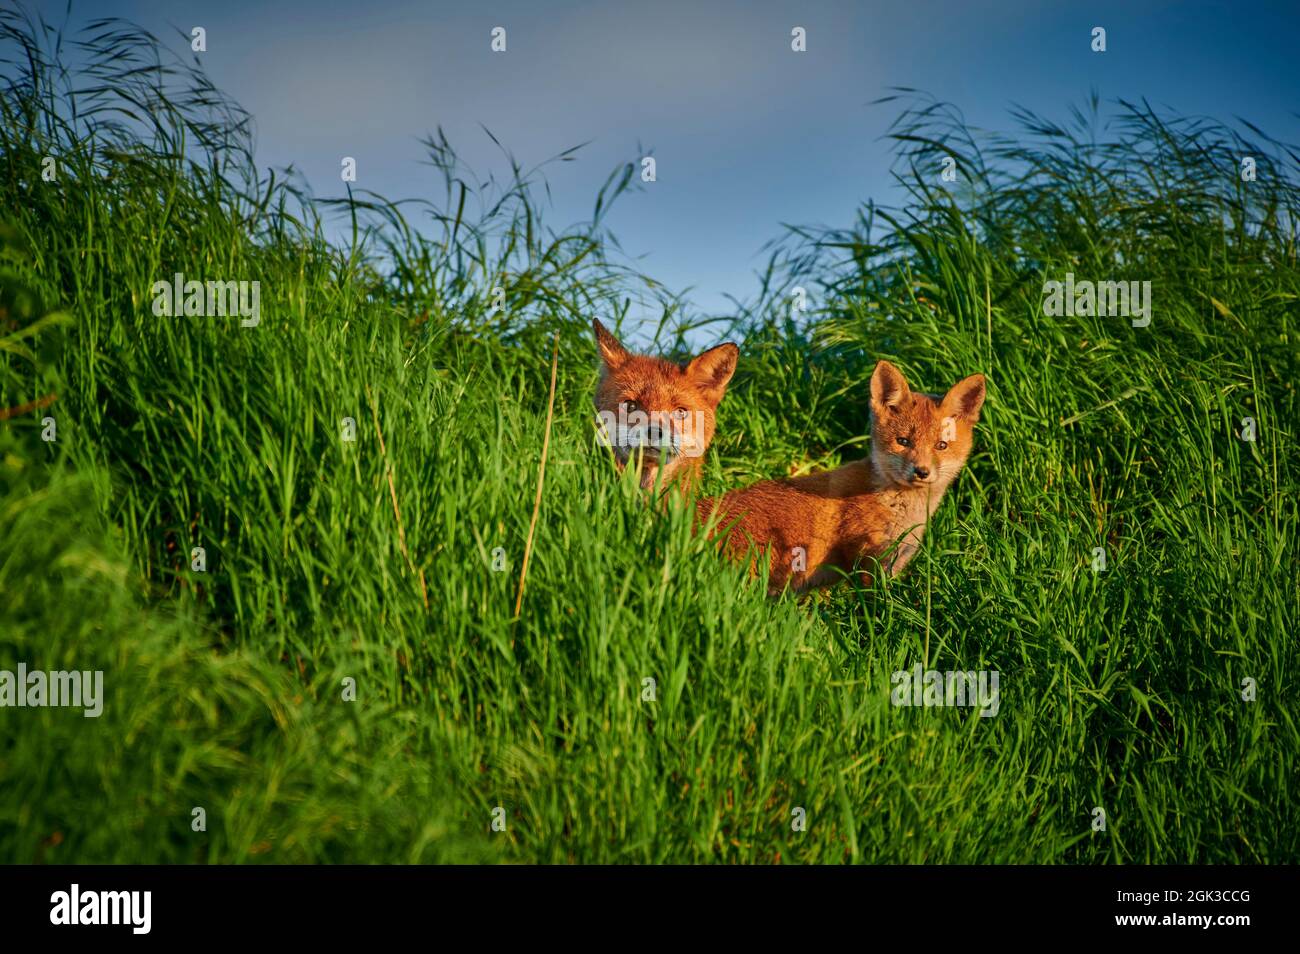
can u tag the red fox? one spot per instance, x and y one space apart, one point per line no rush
659 410
813 527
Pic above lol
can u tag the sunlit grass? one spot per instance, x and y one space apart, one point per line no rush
1120 690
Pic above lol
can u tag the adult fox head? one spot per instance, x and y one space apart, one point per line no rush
659 411
920 440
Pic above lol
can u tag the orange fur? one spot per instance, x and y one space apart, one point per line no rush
678 403
843 516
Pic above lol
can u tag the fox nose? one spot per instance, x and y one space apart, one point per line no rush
922 472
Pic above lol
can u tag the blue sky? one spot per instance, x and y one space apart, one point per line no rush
746 133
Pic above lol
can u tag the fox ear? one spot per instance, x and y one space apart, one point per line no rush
611 351
712 370
888 387
966 397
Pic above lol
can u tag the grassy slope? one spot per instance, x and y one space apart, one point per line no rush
1119 689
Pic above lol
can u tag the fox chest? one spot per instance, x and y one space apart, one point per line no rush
874 524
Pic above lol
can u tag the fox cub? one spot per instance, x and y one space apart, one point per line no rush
660 412
814 527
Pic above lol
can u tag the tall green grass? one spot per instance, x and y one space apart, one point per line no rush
374 560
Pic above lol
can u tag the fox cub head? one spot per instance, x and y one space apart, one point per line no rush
920 440
659 410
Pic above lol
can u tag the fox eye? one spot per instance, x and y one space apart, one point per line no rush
904 442
630 405
942 445
679 414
